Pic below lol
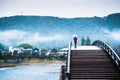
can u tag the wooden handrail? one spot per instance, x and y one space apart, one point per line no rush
68 61
109 50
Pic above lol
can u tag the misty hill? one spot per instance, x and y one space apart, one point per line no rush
40 23
49 26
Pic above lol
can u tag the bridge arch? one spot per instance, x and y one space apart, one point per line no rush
109 50
92 62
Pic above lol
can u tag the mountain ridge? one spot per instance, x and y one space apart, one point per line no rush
43 27
20 22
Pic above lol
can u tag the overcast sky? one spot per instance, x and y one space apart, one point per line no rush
59 8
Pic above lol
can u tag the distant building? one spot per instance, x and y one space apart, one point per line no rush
43 52
36 53
16 51
63 51
20 51
29 51
11 50
54 52
36 50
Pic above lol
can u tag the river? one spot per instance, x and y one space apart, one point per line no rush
31 72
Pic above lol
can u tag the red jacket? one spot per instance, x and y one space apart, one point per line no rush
75 39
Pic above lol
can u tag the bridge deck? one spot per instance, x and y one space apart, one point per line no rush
92 63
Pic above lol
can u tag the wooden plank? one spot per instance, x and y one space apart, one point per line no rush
92 64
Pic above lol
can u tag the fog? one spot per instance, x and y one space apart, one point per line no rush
115 34
16 37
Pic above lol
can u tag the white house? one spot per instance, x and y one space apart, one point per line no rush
63 51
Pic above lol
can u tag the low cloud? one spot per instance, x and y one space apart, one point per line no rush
15 37
115 34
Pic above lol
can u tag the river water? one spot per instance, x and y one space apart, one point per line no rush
31 72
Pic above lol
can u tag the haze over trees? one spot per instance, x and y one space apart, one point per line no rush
54 31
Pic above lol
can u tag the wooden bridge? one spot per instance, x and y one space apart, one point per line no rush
92 62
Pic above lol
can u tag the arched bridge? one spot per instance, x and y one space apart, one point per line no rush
98 61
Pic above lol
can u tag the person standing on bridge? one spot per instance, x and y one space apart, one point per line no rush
75 40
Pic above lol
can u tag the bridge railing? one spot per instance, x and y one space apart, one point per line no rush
109 50
68 62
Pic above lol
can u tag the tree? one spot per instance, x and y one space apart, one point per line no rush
88 41
43 51
82 41
1 46
25 45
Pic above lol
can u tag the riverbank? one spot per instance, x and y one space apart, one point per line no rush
33 62
8 65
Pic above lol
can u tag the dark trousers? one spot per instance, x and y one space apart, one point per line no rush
75 44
